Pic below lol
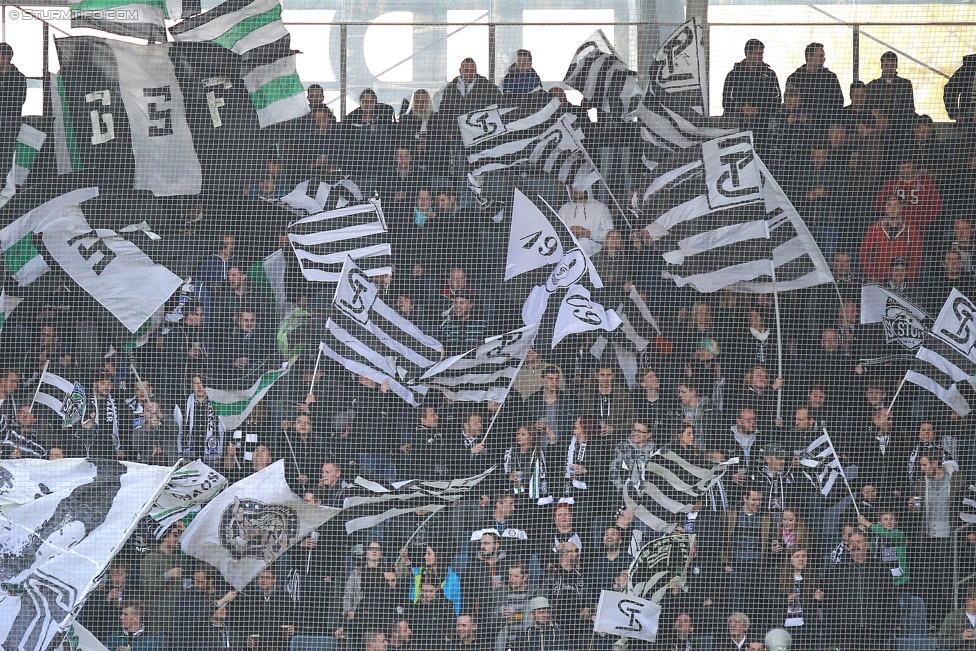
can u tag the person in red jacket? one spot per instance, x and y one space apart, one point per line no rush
922 203
891 237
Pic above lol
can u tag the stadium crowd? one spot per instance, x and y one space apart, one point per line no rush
519 564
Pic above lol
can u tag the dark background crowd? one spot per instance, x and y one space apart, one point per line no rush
519 563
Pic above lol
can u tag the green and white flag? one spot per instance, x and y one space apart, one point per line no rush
271 78
141 336
267 277
136 18
22 259
295 319
26 150
68 398
238 25
233 406
79 638
254 29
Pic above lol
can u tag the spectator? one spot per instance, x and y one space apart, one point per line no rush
958 92
890 237
958 630
133 633
13 94
751 89
818 87
921 202
893 96
859 604
541 633
521 78
162 577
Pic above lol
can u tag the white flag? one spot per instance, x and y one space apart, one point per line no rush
188 490
57 542
79 638
113 270
68 399
533 242
619 613
578 313
955 324
251 524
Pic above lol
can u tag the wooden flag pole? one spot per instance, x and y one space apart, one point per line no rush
315 371
779 344
38 389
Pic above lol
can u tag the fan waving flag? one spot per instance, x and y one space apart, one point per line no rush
323 241
68 399
70 518
543 135
250 524
369 338
484 373
670 489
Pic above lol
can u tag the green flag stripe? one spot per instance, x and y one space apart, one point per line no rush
69 129
25 156
246 26
235 408
20 254
276 90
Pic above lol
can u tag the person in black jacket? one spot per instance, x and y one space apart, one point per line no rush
751 89
958 92
819 88
13 94
268 613
859 600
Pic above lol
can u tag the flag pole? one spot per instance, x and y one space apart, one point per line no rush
501 405
779 343
38 389
414 534
139 381
315 371
897 392
293 456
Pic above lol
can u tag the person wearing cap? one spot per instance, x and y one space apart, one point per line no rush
542 634
13 94
921 201
751 92
891 237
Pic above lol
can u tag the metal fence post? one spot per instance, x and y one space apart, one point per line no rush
491 52
856 51
343 66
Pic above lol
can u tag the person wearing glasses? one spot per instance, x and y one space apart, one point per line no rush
631 455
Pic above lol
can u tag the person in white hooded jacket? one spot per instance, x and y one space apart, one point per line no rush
588 219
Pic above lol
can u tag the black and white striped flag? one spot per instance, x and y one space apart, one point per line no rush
668 487
673 113
408 496
600 75
723 221
821 464
369 338
483 373
941 370
545 136
322 242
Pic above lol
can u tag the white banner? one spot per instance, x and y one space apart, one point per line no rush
624 614
190 487
533 242
55 545
249 525
113 270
